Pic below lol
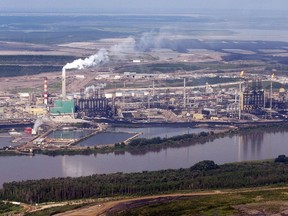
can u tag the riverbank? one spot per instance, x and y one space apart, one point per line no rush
248 201
205 175
142 145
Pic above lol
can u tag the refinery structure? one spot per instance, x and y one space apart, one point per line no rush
102 96
238 101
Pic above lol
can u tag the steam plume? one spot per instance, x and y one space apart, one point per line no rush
92 61
99 58
37 124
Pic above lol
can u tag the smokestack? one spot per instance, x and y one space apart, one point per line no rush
63 83
45 91
153 92
184 93
82 93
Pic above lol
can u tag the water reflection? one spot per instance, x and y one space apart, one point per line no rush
254 145
73 166
248 146
254 140
69 134
106 138
5 140
162 132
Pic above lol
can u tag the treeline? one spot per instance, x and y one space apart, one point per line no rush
34 59
186 139
203 175
159 67
21 70
19 65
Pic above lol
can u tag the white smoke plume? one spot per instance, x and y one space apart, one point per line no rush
37 124
99 58
93 87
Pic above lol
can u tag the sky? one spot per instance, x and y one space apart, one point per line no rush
138 5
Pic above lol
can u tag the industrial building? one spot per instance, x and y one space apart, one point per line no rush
254 97
62 107
253 100
92 107
178 104
92 102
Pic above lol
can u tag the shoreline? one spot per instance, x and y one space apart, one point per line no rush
162 143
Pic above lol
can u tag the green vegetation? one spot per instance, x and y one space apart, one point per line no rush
86 151
202 205
201 176
182 66
55 210
218 204
20 70
20 65
282 159
9 208
159 67
32 59
10 153
205 165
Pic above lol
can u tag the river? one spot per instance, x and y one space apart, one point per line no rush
163 132
251 146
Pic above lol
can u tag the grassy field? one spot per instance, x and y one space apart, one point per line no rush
266 201
248 201
9 209
55 210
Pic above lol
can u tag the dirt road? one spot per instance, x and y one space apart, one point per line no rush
103 208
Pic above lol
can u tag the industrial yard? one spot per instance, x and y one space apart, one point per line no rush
232 98
127 78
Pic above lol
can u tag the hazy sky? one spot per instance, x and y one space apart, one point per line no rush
137 5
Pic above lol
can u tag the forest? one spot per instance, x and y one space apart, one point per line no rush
25 65
201 176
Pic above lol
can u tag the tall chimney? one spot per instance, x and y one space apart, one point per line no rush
45 91
63 83
184 93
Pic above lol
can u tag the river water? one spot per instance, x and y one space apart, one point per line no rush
163 132
251 146
119 134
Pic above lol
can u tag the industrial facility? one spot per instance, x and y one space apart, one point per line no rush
214 102
129 97
92 103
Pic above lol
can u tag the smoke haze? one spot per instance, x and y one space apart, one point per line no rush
126 46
